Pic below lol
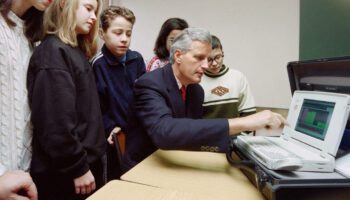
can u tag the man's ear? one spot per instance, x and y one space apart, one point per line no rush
177 56
101 33
62 2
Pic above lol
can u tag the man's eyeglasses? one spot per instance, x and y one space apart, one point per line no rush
217 59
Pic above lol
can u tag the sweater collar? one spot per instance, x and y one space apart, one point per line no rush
19 22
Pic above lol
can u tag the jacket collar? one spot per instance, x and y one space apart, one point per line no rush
169 78
114 61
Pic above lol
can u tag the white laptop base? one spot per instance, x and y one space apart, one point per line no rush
311 141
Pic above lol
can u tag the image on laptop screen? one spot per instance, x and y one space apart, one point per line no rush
314 118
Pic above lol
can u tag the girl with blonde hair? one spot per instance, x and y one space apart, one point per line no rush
68 135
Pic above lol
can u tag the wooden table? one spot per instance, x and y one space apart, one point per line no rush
204 173
123 190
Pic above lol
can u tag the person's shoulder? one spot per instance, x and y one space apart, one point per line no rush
235 72
134 54
153 60
52 53
156 63
236 77
152 78
52 46
53 42
97 59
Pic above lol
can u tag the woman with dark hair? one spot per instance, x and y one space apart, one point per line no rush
20 27
170 28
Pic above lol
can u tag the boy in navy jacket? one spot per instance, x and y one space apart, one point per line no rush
116 68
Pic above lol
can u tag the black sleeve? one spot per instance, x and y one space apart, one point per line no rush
54 119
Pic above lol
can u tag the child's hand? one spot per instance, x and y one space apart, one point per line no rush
114 131
85 184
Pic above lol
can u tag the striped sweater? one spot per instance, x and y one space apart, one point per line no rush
227 94
15 129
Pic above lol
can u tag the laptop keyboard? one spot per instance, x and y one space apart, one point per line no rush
272 151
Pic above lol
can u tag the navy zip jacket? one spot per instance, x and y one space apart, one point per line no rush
115 81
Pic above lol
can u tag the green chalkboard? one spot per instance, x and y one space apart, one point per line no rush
324 28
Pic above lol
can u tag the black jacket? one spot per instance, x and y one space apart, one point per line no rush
68 131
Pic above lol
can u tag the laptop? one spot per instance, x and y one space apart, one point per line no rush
327 75
311 140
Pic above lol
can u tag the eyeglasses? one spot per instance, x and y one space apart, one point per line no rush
217 59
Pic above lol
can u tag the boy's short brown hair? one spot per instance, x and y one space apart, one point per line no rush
112 12
215 43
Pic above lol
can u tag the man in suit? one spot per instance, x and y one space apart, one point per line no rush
163 117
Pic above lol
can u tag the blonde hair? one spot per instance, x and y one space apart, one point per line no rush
62 22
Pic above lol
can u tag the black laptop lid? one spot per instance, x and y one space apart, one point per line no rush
329 75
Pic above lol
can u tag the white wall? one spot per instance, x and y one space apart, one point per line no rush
259 37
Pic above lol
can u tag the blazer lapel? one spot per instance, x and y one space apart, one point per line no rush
194 101
177 105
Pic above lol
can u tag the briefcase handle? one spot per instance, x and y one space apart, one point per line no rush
242 162
247 165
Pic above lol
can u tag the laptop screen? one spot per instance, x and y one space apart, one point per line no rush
314 118
329 74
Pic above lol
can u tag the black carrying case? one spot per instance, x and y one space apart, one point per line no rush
330 75
282 185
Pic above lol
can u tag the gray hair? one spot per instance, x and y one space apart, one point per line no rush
184 40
